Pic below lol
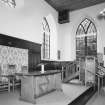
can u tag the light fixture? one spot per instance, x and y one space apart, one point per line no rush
10 3
102 13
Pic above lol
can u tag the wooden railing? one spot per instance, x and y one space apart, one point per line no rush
70 71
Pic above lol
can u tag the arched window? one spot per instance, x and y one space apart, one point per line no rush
86 39
46 40
11 3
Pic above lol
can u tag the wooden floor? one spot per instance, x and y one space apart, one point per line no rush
70 93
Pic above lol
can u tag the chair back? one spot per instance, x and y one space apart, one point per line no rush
24 69
12 69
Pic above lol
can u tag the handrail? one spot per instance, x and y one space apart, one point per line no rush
91 72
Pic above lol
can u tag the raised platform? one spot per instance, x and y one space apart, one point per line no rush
69 96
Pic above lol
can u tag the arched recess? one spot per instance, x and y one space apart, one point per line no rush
86 39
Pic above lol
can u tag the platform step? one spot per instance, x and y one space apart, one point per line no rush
83 98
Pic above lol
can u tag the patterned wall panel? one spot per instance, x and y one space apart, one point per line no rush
12 56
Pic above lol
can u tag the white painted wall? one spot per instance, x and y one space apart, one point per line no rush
25 21
67 31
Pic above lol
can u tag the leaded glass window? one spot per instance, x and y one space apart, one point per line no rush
86 39
11 3
46 39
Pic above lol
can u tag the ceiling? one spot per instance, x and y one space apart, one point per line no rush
72 5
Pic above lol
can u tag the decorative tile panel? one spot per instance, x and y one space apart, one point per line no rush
12 56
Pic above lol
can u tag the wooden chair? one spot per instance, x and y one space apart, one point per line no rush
13 78
24 69
4 82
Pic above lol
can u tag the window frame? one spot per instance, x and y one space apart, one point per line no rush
83 37
46 39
